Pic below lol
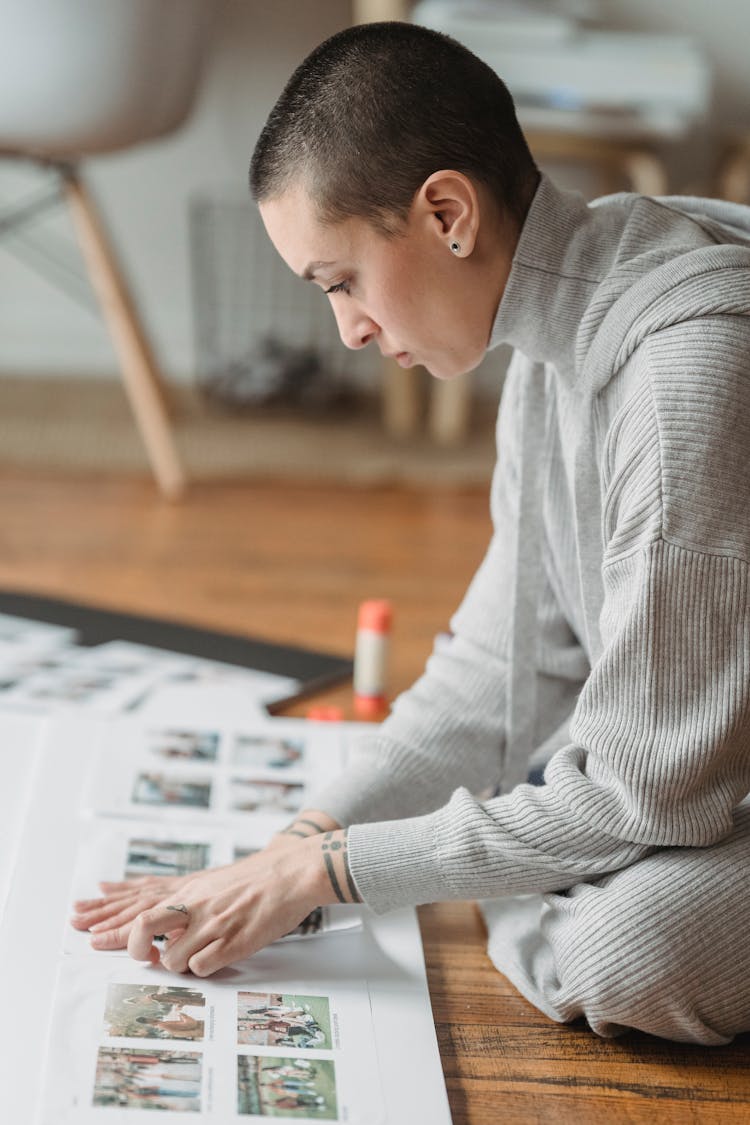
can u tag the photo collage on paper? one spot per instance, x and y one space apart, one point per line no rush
139 1039
282 1035
255 773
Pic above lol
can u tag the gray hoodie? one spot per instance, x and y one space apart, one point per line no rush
608 627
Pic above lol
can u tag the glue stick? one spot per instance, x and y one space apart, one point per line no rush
371 657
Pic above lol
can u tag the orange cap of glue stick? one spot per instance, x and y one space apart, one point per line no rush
375 614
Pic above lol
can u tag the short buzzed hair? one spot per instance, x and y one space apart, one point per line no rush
376 109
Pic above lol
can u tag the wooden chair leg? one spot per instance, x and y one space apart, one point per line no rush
733 175
139 371
645 171
450 410
401 392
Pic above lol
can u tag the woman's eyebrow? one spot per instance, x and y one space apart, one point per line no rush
310 270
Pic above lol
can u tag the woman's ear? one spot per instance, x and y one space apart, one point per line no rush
449 205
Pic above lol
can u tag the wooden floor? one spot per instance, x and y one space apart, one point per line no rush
291 563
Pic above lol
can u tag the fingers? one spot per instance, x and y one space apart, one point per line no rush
214 956
88 906
178 953
147 925
116 938
121 902
120 918
105 914
202 954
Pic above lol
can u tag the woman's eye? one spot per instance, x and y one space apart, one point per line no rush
339 287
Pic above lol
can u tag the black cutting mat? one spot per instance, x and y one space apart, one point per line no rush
314 670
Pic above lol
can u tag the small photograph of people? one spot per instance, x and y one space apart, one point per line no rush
283 1020
310 924
147 1011
283 1087
187 745
170 789
145 1079
264 752
164 857
249 794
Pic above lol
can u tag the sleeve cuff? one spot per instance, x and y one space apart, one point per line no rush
396 863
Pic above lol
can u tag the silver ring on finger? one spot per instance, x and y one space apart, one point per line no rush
180 908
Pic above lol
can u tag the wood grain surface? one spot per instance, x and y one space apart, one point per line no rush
291 564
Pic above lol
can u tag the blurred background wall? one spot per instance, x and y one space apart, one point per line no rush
146 193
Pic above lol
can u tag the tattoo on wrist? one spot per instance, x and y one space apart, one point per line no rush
312 823
295 829
336 860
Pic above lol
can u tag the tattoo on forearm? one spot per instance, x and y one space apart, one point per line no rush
339 859
356 896
332 876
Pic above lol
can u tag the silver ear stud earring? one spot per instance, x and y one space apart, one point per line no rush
456 247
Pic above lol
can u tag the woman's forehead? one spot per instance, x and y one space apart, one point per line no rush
308 245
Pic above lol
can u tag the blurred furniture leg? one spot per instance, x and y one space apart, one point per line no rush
80 78
370 11
733 173
450 410
637 165
401 390
139 371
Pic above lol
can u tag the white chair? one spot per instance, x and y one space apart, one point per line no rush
83 77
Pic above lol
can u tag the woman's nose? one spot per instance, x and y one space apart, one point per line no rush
355 328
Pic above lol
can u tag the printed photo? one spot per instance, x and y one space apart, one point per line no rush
269 1086
146 1011
312 924
187 745
264 752
277 1019
169 789
146 1079
164 857
70 690
254 795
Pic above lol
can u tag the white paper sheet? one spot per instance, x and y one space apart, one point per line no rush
188 683
27 633
384 958
20 737
41 672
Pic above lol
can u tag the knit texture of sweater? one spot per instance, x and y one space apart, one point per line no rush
608 627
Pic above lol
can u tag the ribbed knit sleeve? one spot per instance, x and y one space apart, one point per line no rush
658 754
449 728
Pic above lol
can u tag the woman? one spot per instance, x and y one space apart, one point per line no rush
607 629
